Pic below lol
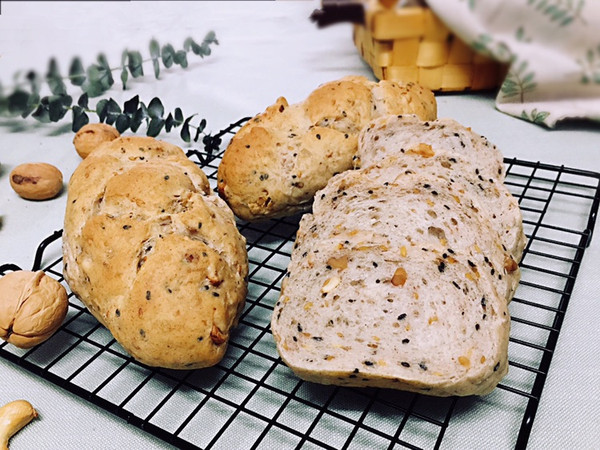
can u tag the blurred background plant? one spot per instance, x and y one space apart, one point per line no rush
27 99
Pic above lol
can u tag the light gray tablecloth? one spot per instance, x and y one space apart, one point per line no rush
267 49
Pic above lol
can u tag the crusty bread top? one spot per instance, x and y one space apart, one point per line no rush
281 157
153 253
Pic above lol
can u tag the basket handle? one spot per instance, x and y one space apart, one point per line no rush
339 11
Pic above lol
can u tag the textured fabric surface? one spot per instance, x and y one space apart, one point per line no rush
552 47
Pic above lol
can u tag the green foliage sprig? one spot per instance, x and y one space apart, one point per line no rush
134 113
518 82
535 116
26 97
561 12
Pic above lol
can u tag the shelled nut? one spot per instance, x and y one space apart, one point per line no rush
14 416
36 181
91 136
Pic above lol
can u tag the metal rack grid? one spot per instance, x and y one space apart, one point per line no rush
252 400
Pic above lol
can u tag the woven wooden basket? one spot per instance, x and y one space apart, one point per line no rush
411 44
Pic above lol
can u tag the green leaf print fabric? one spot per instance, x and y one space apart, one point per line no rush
552 48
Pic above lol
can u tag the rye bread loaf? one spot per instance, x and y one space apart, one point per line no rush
278 160
154 254
455 154
391 286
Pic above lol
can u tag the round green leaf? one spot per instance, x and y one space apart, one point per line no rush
178 116
156 67
53 71
131 105
83 100
80 118
169 123
156 108
113 111
181 58
17 101
35 81
167 55
154 49
122 123
32 104
135 64
58 105
76 72
155 126
42 114
101 109
188 43
185 130
211 38
137 119
124 77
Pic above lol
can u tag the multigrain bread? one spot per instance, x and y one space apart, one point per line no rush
388 135
397 280
453 153
153 253
378 301
451 213
278 160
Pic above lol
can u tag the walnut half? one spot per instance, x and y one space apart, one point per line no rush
32 307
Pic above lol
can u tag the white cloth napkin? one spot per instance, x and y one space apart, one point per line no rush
552 46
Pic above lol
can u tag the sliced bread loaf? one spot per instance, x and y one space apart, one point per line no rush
426 206
391 286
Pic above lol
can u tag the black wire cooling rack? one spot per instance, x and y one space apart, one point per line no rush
252 400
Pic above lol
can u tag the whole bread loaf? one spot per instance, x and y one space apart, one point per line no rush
278 160
154 255
399 279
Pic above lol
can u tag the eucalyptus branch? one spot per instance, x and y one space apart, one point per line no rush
26 99
133 114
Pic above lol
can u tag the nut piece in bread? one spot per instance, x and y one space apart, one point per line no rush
278 160
33 306
154 254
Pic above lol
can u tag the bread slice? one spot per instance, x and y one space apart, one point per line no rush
451 152
390 135
435 208
384 289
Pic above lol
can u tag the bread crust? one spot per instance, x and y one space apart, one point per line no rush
278 160
153 253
